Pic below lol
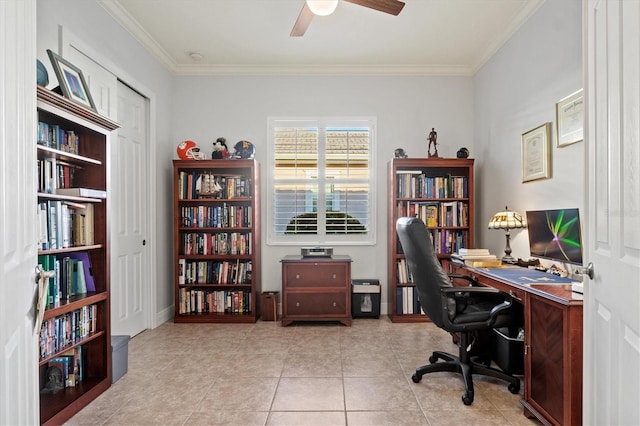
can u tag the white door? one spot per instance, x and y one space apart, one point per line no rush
612 299
19 398
130 278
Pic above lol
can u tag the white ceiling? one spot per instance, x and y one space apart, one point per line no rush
429 37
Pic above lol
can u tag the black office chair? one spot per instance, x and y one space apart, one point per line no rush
463 310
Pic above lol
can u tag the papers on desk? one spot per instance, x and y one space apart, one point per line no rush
477 258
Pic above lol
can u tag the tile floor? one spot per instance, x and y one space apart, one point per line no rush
304 374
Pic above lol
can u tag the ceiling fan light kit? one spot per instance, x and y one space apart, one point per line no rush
311 8
322 7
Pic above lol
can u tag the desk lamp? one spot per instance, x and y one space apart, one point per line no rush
507 220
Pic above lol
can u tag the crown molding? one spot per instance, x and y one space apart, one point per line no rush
324 70
129 23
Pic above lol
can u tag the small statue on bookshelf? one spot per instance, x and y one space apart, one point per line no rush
220 149
54 380
433 136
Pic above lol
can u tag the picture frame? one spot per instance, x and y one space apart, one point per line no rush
570 119
536 153
71 80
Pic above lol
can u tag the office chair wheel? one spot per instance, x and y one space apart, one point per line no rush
415 378
433 359
514 388
467 399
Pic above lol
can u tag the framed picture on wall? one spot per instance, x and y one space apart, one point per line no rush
536 153
72 83
570 119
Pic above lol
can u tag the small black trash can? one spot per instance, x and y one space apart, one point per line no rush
365 298
508 350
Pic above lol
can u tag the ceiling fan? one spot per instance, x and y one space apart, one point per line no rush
326 7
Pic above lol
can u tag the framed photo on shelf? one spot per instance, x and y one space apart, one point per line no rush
536 153
71 80
570 119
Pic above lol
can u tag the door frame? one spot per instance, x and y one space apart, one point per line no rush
65 38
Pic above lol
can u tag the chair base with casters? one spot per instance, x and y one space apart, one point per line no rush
466 366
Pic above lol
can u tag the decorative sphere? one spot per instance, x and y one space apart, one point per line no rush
42 76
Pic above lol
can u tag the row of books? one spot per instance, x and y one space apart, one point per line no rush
221 243
407 302
53 136
71 366
54 174
224 216
211 272
195 185
447 241
58 333
196 301
415 184
72 276
436 214
64 224
403 274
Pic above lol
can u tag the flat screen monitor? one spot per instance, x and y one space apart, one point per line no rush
555 235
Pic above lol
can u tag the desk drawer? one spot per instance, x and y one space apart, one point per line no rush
316 275
310 304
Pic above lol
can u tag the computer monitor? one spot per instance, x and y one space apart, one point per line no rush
555 235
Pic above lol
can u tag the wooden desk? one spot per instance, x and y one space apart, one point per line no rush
316 289
552 343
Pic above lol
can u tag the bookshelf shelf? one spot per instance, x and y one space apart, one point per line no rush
216 241
440 192
76 328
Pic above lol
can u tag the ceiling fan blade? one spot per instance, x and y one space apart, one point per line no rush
392 7
303 21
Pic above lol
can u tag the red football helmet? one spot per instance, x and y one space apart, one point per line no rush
188 150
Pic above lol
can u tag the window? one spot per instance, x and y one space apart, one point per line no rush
322 181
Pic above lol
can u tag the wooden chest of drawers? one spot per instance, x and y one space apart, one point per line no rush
316 289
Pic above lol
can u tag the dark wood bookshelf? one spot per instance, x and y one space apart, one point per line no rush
405 195
247 289
90 166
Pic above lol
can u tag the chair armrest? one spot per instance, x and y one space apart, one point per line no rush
472 281
456 299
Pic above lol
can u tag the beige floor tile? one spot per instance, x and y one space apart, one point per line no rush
309 394
239 393
313 364
370 364
228 418
467 417
386 418
378 394
306 418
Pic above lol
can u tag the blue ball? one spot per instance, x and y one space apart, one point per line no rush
42 74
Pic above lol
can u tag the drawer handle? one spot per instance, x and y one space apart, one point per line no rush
334 276
297 304
297 276
335 304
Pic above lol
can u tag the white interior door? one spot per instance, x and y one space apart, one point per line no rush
612 298
19 399
130 279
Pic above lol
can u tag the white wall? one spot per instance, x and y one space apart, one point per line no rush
406 109
515 92
99 32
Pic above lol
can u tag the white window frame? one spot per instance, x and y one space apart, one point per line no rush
321 123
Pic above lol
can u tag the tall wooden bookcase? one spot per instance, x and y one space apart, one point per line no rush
216 237
440 191
73 151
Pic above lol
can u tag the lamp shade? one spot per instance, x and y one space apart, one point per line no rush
322 7
507 219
